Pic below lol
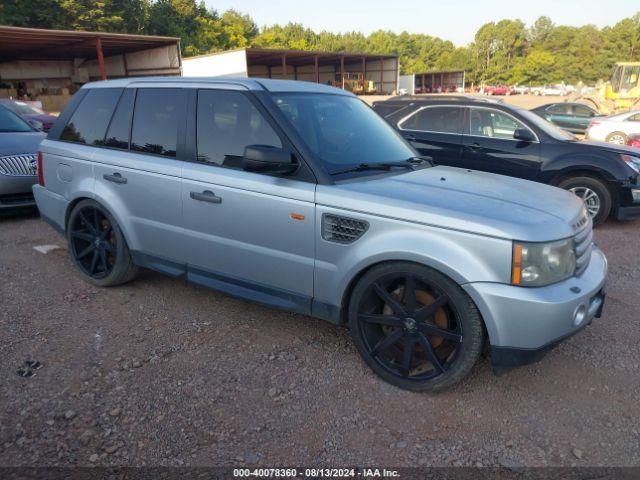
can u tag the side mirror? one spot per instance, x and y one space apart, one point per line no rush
267 159
524 135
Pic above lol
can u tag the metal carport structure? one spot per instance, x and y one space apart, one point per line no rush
313 66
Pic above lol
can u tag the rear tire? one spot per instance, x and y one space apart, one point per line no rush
414 327
97 246
594 193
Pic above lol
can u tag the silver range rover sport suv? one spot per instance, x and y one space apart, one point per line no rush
299 196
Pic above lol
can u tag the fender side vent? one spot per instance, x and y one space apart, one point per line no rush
342 229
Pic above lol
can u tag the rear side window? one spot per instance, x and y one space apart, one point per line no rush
559 109
227 123
582 111
120 126
89 122
157 114
435 119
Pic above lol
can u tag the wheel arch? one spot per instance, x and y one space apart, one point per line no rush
76 200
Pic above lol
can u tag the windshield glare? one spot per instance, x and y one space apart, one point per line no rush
341 130
10 122
547 127
22 108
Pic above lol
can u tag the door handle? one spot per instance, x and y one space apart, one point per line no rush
115 178
475 146
206 196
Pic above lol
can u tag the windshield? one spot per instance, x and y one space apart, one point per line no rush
22 108
547 127
342 131
10 122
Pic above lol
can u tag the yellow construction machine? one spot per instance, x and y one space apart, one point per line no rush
352 81
620 93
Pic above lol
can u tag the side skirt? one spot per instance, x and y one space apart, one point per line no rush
271 297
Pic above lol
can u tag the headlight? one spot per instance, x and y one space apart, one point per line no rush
633 162
539 264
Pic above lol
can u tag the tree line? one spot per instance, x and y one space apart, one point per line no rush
506 52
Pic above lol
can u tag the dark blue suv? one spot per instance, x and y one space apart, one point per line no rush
499 138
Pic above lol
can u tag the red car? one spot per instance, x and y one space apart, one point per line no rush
499 90
31 113
634 141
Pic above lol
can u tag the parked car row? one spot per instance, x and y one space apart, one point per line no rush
495 137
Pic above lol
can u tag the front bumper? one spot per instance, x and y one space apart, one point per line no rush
627 213
523 323
15 192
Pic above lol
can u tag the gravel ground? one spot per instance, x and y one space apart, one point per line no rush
158 372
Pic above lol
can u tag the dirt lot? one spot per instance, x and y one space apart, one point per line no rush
158 372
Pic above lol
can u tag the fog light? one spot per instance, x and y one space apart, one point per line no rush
581 313
636 195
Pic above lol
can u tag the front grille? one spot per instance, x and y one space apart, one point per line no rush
19 165
342 229
583 244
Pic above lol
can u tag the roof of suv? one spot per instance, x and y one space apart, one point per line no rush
259 84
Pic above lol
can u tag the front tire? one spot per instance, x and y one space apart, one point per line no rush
97 247
594 194
414 327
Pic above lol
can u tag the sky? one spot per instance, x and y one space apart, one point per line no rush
455 20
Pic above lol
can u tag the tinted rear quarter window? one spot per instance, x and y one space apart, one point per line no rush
435 119
89 122
157 116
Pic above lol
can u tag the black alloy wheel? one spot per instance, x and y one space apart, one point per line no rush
415 327
93 242
97 246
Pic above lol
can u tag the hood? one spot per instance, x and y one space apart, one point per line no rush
608 147
466 200
15 143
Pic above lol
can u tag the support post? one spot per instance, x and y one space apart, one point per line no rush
381 74
103 70
422 77
364 72
342 70
316 71
284 65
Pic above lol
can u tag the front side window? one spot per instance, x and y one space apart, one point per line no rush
484 122
634 118
227 123
435 119
157 114
10 122
89 122
342 131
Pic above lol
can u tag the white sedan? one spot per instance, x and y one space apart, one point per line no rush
614 128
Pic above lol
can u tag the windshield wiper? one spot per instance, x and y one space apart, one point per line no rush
409 163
